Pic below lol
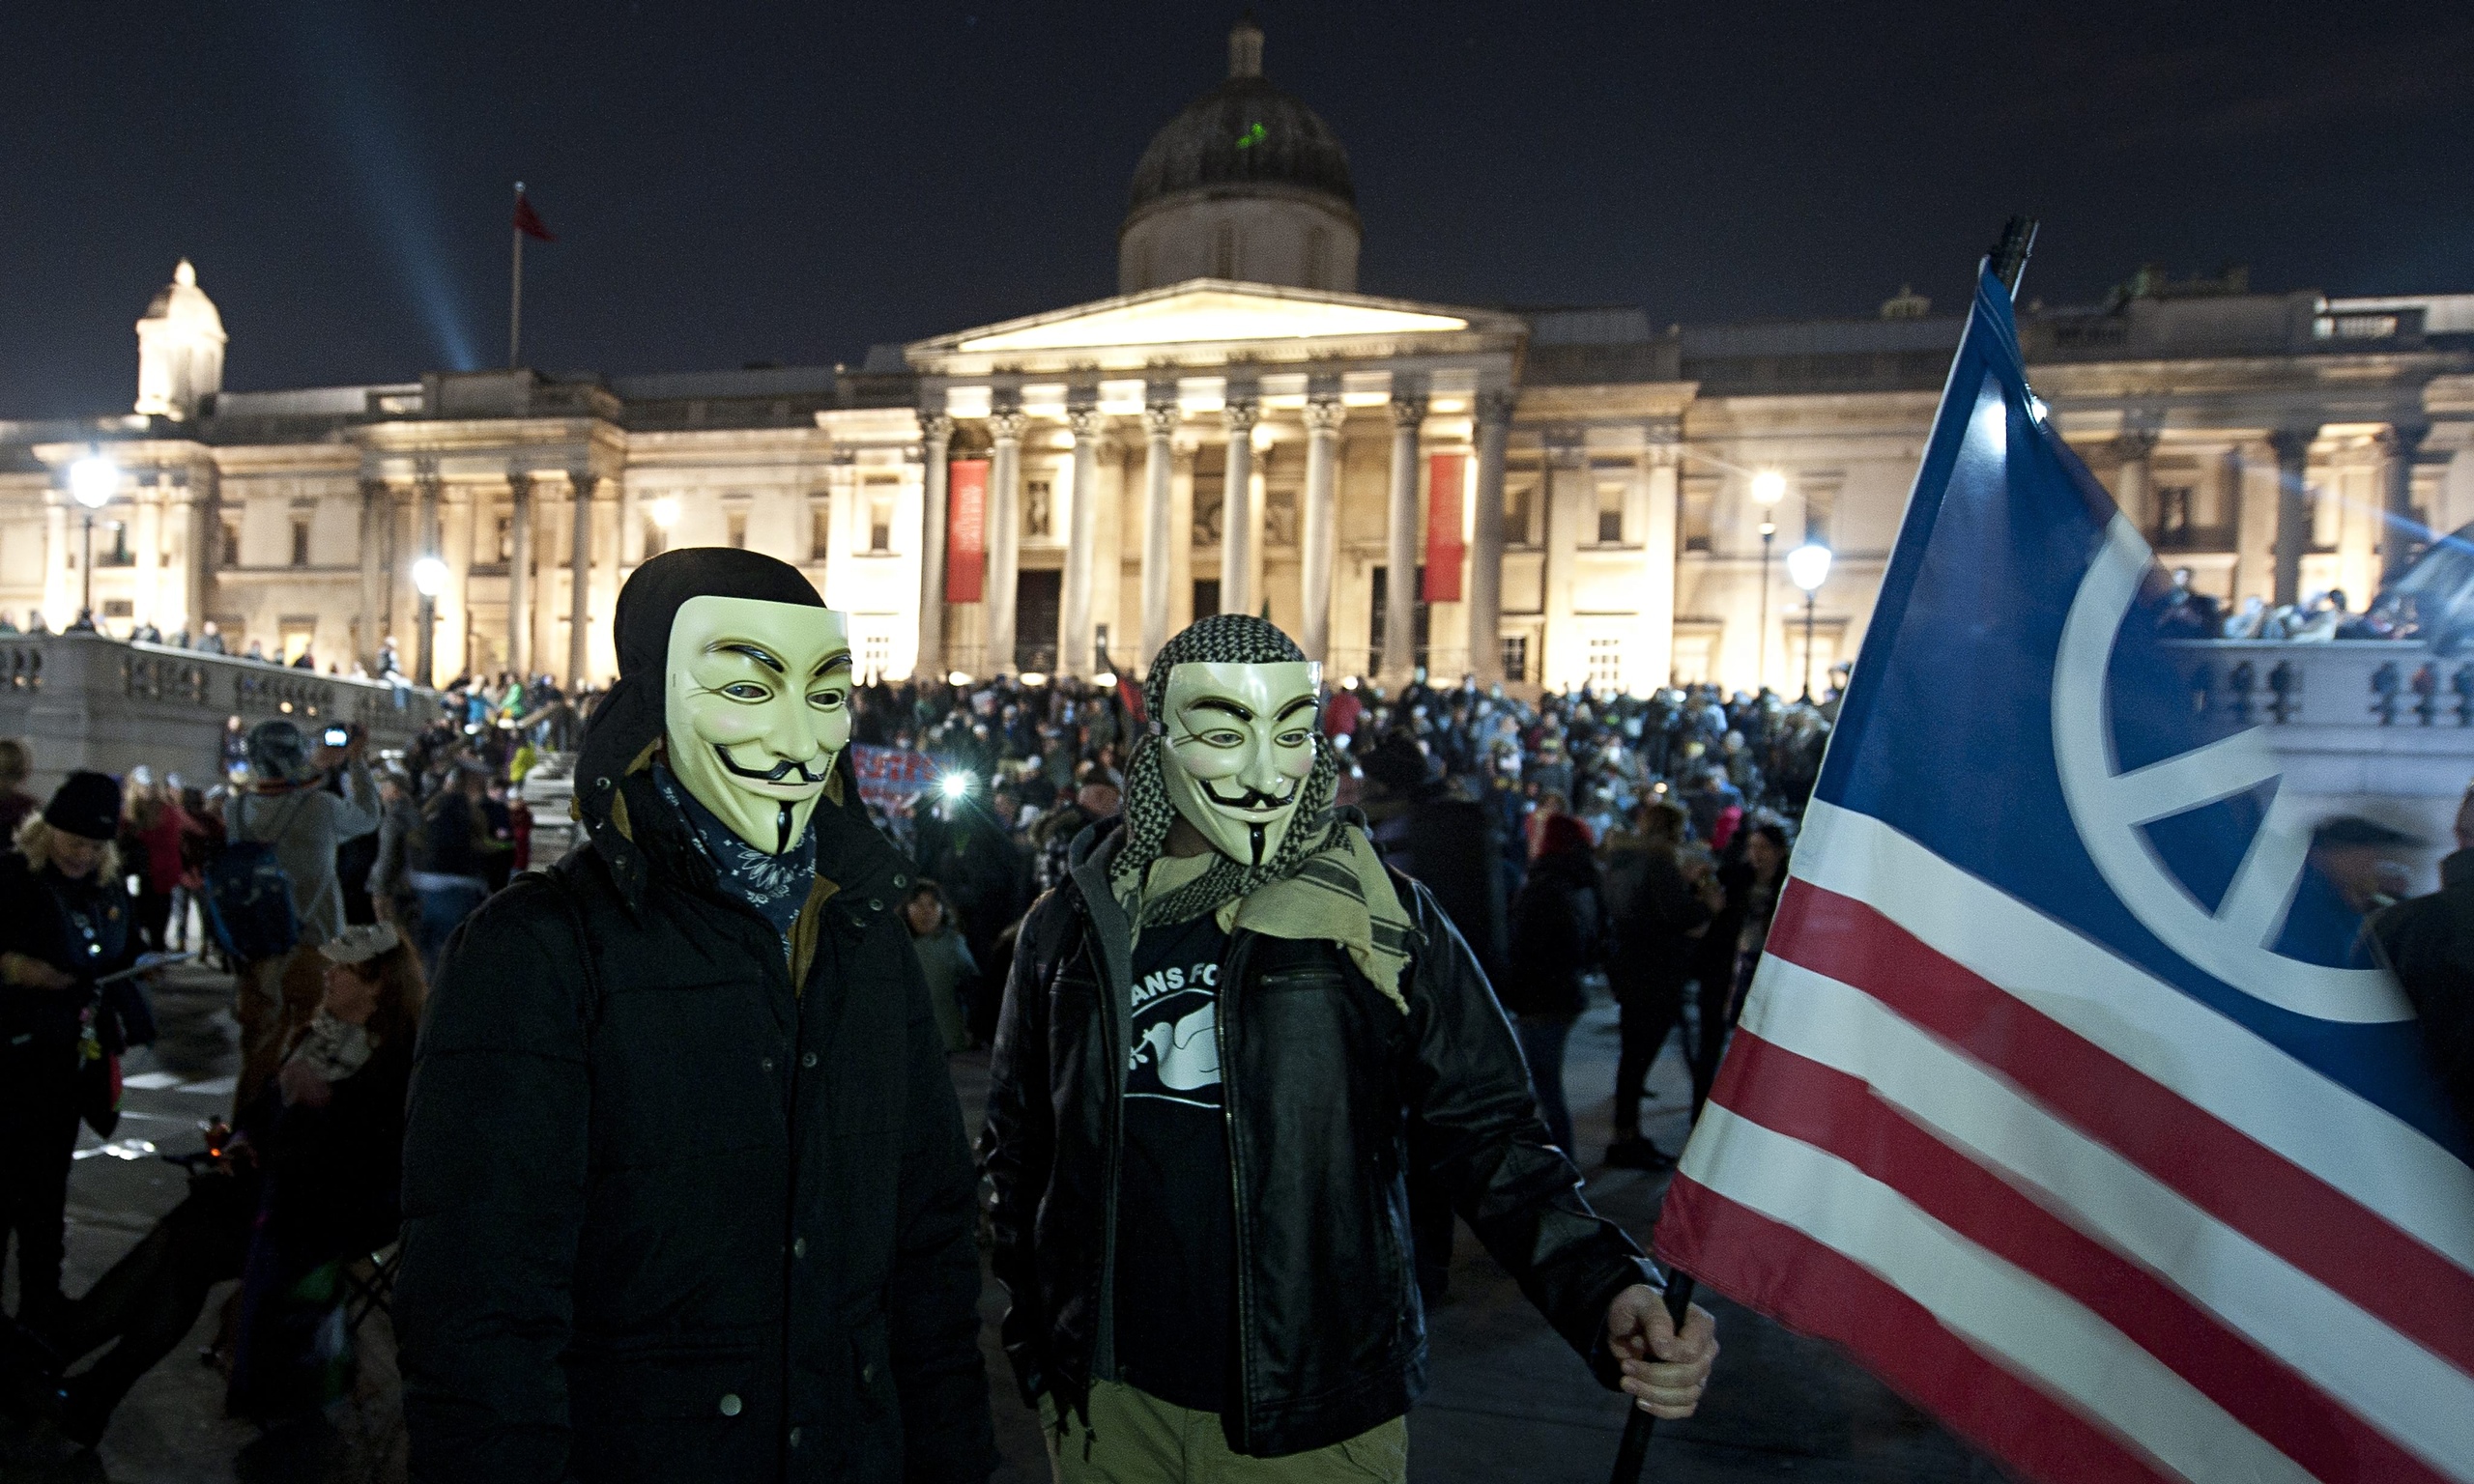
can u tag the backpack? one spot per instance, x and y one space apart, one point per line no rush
248 899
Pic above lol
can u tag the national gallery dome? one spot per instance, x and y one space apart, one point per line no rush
1246 183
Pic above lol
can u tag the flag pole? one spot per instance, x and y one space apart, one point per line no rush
1634 1450
2009 254
515 298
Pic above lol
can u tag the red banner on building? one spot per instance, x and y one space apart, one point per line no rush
966 530
1444 480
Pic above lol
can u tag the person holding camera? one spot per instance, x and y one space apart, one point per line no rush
288 807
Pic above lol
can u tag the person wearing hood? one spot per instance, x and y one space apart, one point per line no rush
66 922
687 1193
1215 1040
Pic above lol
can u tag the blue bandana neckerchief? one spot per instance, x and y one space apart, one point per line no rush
776 886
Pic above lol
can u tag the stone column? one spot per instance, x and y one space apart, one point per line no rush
1185 451
1487 540
2400 533
146 540
459 516
1662 472
1400 593
1319 536
1074 656
369 619
1563 478
579 577
190 514
1004 536
936 442
1238 516
2132 491
59 579
2292 446
519 574
1160 427
425 543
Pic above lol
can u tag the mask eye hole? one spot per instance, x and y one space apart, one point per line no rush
825 700
1296 738
746 690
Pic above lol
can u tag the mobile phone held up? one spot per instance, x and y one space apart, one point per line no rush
338 736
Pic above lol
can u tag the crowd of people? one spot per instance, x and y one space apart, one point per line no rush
1574 841
1640 839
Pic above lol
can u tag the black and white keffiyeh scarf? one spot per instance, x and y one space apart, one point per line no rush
1224 638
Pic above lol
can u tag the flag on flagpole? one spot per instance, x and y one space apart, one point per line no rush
529 222
2061 1097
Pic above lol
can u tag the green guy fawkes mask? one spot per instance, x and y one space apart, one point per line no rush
1239 743
756 707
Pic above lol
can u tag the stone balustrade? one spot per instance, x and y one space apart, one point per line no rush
2369 728
85 700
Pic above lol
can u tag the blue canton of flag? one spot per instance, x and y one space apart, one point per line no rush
2062 1096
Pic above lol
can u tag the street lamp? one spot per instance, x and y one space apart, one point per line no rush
93 481
1808 567
1769 487
429 580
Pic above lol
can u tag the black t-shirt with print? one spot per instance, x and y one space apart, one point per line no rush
1176 1261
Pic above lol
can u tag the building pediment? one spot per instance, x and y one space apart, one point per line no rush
1212 322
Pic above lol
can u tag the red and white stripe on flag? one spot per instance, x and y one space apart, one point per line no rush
2100 1230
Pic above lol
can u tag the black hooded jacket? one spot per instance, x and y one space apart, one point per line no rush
1325 1078
674 1208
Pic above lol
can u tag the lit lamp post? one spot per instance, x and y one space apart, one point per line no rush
1769 487
93 481
1808 567
429 580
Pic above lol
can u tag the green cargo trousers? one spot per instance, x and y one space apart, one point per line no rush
1136 1439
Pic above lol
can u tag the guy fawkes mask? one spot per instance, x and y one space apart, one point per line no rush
756 708
1239 744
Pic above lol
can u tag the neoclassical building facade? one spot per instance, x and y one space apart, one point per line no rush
1563 495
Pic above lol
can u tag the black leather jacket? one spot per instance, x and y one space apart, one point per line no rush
1324 1077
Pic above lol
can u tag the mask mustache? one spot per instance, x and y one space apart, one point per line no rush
1250 798
788 768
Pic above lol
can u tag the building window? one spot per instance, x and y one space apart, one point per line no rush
1698 515
300 542
504 542
1820 500
1516 656
880 522
819 530
654 537
1605 665
231 553
875 657
1520 514
1224 250
1319 258
737 527
119 555
1206 596
1037 501
2176 529
118 607
1610 515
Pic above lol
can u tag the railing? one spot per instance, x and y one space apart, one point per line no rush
87 701
2345 683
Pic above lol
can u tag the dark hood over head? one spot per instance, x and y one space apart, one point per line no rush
629 717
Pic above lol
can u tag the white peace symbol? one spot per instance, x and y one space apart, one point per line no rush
2109 806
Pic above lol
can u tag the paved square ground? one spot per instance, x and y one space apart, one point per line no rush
1509 1402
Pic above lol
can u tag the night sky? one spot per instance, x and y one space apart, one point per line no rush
791 183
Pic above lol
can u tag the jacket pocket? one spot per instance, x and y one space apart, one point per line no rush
670 1387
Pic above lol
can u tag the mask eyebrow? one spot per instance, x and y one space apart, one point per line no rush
1308 701
753 652
839 659
1217 703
